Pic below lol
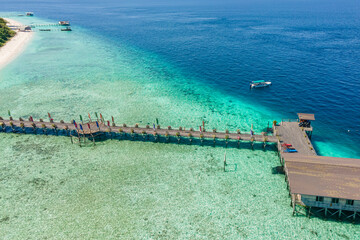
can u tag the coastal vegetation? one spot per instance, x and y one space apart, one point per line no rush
5 32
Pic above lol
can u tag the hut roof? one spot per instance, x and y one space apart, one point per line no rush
25 28
306 116
323 176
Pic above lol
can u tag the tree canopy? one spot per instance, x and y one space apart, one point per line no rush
5 32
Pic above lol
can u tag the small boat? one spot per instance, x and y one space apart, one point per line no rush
259 84
30 14
45 30
64 23
67 29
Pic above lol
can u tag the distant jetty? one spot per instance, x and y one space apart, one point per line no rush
39 27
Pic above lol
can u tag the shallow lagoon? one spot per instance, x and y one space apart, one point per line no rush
128 189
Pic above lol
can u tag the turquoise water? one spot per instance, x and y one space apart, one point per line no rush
130 190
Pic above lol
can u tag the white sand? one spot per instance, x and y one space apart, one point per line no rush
15 46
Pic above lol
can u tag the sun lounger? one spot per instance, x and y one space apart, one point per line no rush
290 150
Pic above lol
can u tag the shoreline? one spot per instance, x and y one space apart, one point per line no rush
15 46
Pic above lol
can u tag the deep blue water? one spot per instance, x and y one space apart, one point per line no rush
310 51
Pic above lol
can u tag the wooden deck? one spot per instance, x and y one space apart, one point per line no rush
135 130
291 133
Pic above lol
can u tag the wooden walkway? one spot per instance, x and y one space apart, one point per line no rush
91 128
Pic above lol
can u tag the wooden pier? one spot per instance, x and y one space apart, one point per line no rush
316 184
93 129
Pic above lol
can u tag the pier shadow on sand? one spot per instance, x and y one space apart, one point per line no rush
88 142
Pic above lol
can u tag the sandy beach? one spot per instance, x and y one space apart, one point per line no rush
15 46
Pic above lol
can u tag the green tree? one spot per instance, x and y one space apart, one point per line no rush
5 33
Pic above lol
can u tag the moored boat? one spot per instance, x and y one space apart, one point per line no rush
67 29
259 83
64 23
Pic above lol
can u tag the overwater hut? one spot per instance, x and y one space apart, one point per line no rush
25 29
305 122
305 119
324 185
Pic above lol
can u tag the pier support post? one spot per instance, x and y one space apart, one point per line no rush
22 126
326 212
354 216
294 210
293 203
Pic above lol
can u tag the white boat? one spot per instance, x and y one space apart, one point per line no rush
64 23
259 84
